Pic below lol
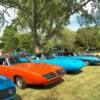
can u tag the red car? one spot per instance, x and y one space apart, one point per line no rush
29 73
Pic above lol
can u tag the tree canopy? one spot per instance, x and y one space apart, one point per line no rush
11 39
45 18
88 37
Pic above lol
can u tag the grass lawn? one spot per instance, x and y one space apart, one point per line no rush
81 86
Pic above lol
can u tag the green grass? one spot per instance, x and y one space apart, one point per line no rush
81 86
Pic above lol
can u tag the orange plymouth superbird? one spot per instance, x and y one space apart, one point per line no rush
29 73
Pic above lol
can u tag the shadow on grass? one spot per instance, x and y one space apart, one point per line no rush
43 87
74 73
94 64
18 97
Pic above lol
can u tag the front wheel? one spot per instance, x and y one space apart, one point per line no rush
87 62
20 82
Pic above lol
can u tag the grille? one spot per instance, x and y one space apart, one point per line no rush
50 75
7 93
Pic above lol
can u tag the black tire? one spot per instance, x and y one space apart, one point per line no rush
20 82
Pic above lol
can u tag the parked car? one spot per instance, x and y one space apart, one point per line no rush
96 53
88 59
61 51
7 88
29 72
68 64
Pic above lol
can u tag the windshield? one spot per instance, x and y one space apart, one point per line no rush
15 60
42 56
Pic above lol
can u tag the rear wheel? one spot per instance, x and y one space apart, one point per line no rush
20 82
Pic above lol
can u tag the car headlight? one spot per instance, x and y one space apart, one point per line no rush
60 72
50 75
11 91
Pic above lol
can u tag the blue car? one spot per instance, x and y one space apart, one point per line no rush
7 89
87 59
67 64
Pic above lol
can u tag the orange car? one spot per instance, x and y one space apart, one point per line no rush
29 73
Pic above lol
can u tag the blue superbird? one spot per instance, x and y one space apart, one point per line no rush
89 59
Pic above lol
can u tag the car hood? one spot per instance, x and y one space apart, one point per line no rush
40 68
5 83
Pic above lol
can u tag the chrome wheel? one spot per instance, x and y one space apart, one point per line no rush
20 82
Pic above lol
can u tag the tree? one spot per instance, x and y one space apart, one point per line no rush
45 18
10 39
26 42
88 37
67 38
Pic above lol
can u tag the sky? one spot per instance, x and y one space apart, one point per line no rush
74 25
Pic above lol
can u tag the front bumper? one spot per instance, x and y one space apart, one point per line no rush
58 77
8 94
11 98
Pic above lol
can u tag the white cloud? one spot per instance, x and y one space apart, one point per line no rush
88 7
9 17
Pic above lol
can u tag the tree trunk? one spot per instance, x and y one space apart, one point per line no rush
34 27
88 46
